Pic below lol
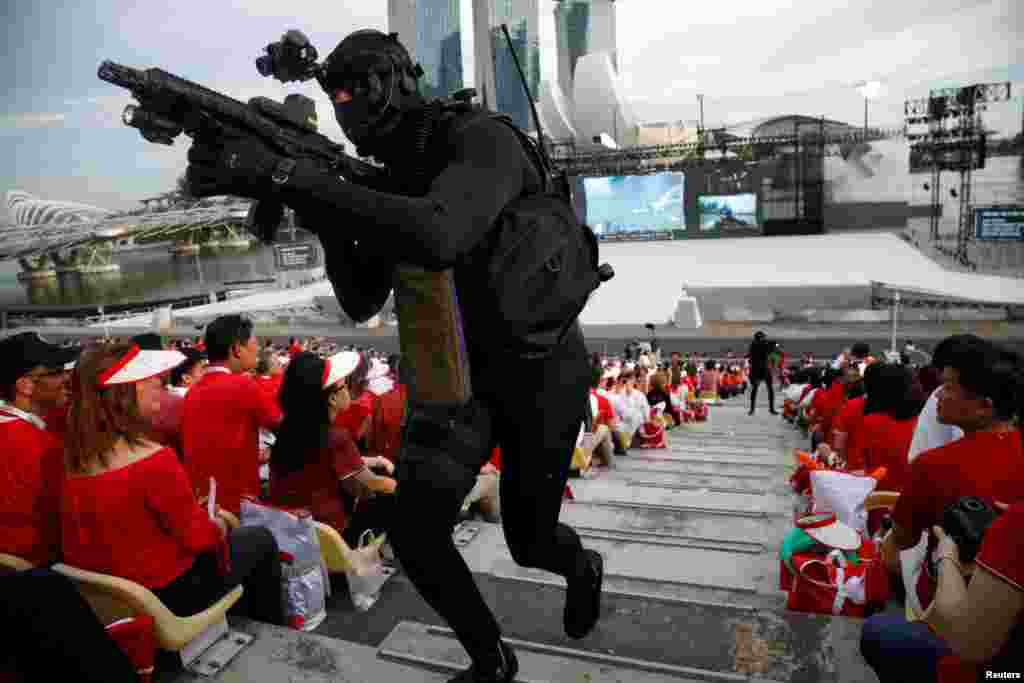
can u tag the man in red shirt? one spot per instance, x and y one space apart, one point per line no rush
33 383
223 414
979 396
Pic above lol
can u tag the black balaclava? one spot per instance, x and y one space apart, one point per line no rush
377 72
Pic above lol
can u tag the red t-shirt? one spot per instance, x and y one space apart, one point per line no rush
850 420
315 487
223 413
1002 554
270 385
605 416
988 465
385 436
140 522
30 478
353 416
57 421
827 405
496 457
166 424
294 350
885 442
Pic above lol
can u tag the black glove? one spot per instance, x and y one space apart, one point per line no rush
240 166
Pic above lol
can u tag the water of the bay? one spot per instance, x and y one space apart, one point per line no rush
148 274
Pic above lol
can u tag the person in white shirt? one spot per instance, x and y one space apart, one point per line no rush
930 433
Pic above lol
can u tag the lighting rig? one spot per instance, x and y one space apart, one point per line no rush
645 159
946 133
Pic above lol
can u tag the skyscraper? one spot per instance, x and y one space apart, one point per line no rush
497 78
432 32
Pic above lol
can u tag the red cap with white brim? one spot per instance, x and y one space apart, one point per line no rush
137 365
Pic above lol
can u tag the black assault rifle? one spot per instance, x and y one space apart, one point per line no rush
170 105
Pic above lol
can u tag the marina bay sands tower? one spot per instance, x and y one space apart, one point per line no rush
440 36
460 42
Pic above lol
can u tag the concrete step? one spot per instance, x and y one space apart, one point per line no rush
435 648
616 492
654 561
700 529
629 464
773 462
279 654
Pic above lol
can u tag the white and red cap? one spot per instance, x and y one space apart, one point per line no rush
136 365
826 529
339 366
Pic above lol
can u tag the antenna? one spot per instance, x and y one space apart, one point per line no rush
529 97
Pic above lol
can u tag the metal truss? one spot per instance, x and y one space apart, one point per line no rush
636 160
954 140
36 240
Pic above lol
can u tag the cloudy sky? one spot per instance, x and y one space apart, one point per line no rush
61 136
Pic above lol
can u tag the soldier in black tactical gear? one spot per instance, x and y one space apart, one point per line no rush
448 174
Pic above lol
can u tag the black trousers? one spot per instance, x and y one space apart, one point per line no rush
254 564
53 634
755 380
535 419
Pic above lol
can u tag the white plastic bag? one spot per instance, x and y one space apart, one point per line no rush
843 494
303 577
367 574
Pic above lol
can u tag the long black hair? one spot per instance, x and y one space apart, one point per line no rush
890 390
303 432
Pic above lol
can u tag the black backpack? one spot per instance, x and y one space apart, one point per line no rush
542 263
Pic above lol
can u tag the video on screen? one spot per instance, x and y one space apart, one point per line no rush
635 207
728 212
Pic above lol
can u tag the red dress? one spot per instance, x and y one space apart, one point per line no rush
316 487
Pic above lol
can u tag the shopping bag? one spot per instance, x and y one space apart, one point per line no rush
367 574
832 585
303 576
843 494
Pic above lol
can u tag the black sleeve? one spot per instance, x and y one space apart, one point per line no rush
486 172
361 274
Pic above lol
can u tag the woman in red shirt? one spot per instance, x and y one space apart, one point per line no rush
314 464
128 508
890 416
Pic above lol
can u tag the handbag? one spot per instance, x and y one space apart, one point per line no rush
831 585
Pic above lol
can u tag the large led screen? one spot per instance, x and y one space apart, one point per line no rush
727 212
635 207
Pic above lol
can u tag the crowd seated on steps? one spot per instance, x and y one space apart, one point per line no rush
941 431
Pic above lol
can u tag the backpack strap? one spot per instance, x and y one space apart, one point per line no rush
528 144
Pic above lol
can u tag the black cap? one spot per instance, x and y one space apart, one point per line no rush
19 353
